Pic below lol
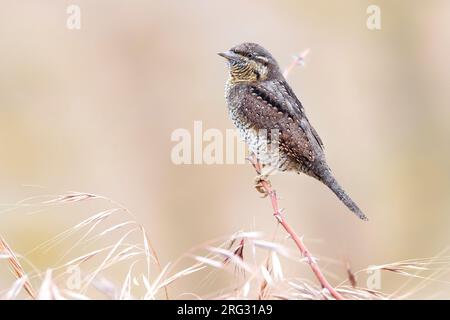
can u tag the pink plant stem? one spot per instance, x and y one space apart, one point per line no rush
298 60
298 241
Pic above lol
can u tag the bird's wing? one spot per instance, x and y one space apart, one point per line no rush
270 106
295 107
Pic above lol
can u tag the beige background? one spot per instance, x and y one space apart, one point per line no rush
92 110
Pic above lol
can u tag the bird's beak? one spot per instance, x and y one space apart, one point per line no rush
229 55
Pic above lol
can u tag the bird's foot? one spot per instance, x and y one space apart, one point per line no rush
261 182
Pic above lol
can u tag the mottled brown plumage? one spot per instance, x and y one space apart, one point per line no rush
272 120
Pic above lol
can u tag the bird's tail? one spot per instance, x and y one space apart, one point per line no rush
327 178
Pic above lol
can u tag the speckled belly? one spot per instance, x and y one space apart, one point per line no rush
262 143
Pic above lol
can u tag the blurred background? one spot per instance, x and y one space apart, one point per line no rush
93 110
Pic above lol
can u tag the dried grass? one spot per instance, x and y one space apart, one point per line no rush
253 263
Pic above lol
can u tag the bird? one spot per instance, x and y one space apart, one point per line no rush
272 120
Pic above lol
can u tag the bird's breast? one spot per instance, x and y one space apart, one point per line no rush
243 111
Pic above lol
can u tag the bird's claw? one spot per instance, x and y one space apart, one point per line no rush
259 182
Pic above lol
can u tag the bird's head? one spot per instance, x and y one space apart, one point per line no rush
249 62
